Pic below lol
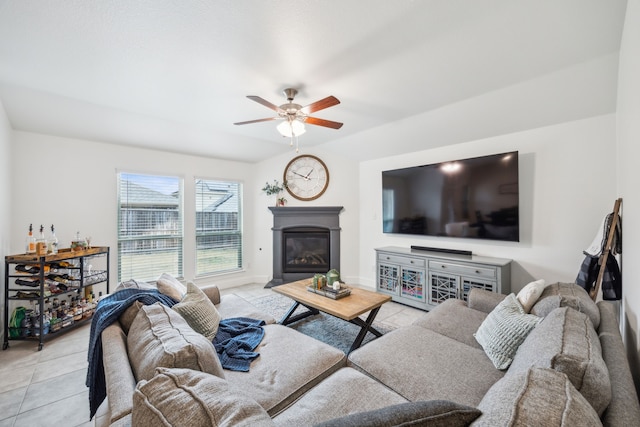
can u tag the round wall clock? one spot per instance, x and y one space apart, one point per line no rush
307 177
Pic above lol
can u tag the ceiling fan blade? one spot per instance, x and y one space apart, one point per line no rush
256 121
327 102
323 122
265 103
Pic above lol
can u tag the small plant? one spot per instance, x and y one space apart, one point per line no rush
275 188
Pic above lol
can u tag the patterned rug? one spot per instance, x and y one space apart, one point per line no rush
324 327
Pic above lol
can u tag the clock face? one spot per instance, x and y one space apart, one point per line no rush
307 177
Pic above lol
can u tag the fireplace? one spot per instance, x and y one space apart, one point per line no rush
306 250
306 240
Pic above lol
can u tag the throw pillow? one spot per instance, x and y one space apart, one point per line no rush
199 312
184 397
536 397
503 330
129 315
530 294
433 413
161 337
170 286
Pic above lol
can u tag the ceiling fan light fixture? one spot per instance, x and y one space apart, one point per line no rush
291 128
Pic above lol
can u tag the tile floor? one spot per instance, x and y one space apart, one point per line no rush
45 388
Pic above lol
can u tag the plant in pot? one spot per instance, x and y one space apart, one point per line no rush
276 188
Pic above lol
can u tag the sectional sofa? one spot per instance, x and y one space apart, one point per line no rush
570 369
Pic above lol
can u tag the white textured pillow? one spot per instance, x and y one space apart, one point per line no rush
199 312
171 287
530 294
504 329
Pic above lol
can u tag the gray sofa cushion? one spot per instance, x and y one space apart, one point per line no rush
232 305
452 318
161 337
535 397
566 295
421 364
290 363
566 341
184 397
345 392
433 413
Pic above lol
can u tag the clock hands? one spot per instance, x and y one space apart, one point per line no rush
305 177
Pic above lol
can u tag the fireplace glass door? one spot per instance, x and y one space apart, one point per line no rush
306 250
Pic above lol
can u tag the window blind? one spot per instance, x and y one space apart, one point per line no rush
150 230
218 226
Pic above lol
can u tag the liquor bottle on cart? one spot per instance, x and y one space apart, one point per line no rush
53 241
41 243
31 241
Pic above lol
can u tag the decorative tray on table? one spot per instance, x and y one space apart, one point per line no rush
330 292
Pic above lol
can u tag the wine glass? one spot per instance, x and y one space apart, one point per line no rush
88 240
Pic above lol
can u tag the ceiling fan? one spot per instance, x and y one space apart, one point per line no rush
295 114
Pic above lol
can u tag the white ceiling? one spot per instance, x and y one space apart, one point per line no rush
173 75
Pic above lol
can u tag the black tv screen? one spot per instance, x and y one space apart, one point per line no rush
473 198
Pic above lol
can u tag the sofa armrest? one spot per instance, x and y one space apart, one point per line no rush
624 409
119 378
213 293
483 300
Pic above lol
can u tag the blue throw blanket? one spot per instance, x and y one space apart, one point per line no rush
235 341
107 312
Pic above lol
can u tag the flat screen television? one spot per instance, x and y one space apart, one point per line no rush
474 198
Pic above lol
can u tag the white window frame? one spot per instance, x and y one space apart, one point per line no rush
218 204
151 268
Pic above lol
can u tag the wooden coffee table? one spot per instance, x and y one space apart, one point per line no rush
348 308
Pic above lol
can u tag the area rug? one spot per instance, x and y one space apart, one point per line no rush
324 327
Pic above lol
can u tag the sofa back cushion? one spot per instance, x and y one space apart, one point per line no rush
566 342
566 295
535 397
184 397
161 337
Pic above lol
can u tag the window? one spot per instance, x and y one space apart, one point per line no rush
218 226
149 226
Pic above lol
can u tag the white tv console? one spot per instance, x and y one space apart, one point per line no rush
423 279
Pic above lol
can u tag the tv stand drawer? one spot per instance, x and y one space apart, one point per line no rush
465 270
402 260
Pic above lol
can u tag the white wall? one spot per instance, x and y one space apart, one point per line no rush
628 179
5 195
565 191
72 183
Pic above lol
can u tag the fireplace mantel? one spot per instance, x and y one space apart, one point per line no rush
303 216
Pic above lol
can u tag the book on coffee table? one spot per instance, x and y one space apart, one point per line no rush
330 292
